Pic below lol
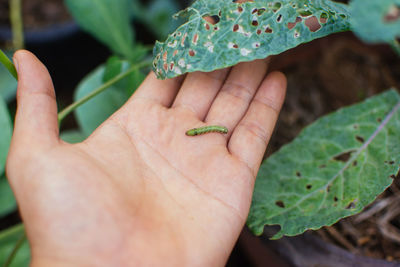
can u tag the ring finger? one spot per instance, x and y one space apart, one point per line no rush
234 98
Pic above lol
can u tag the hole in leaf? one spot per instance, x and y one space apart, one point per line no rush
323 18
312 24
305 13
261 11
276 7
271 230
211 19
360 139
298 174
215 19
195 39
351 205
328 189
309 186
291 25
344 157
268 30
280 204
389 162
335 199
279 18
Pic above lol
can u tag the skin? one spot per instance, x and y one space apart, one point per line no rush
138 191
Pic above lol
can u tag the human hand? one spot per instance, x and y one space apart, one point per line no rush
138 191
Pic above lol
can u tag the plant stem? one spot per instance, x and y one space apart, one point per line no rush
12 230
17 24
100 89
17 246
8 64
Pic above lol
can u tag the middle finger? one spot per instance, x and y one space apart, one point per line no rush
234 98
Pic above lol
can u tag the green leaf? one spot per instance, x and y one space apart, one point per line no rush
5 133
107 20
73 136
8 240
91 114
244 32
7 200
333 169
114 67
376 21
8 84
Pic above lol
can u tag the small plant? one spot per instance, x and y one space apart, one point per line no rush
333 169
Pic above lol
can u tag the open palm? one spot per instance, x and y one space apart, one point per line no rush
139 191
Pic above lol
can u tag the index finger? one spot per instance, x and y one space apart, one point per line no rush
162 92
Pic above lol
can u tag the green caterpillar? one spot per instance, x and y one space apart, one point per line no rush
207 129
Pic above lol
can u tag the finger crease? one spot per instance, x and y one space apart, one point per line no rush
256 130
46 92
187 107
238 91
267 102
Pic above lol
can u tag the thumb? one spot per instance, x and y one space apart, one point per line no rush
36 117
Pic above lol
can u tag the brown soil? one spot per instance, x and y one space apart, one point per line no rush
322 76
37 13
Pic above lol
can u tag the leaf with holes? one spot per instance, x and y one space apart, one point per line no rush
244 32
333 169
376 21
